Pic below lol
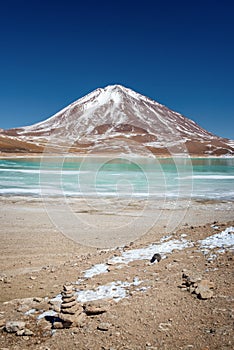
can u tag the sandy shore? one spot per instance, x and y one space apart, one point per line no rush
36 233
38 256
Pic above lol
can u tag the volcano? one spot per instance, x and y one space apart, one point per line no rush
116 119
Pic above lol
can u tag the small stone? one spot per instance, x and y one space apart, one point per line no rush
68 288
67 320
42 306
156 257
2 322
6 280
32 277
96 307
14 326
72 310
165 327
20 332
43 324
183 288
193 279
38 300
191 289
68 305
110 262
69 298
56 308
203 289
54 302
67 295
28 332
57 325
185 273
104 326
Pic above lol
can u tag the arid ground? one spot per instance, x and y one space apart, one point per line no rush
160 313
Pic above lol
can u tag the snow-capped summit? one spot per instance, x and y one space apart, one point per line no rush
115 117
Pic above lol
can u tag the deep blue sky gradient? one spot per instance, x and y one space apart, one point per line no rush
180 53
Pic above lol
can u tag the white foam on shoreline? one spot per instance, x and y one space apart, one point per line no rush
208 177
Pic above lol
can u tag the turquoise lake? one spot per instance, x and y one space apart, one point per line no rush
208 178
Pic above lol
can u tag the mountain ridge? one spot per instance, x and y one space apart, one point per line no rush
116 118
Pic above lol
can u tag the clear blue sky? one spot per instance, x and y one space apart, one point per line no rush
180 53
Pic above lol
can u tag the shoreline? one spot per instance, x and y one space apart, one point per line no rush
39 230
107 155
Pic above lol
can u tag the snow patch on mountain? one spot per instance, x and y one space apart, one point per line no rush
106 116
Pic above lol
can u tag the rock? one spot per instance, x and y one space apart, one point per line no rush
2 277
110 262
2 322
195 285
28 332
24 332
183 288
14 326
68 288
185 274
70 309
96 307
6 280
58 325
103 326
55 307
23 308
44 305
193 279
69 298
156 257
204 289
54 303
43 324
67 320
68 304
191 289
164 327
38 299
